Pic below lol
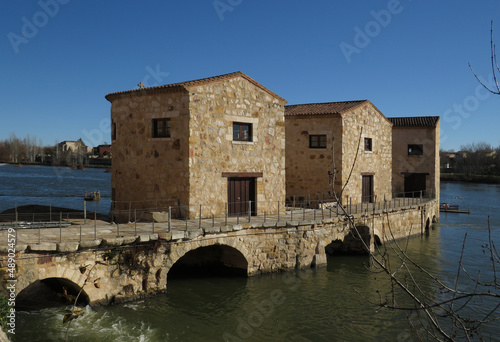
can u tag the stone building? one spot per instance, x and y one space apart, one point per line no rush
218 142
322 137
102 150
69 146
415 150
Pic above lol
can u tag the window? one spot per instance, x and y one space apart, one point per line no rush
161 128
368 144
113 131
242 131
415 150
317 141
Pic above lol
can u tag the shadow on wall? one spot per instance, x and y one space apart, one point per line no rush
352 244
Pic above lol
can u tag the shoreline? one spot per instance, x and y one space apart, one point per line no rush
45 213
50 165
459 177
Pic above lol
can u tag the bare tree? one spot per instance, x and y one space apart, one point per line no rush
494 68
478 159
441 314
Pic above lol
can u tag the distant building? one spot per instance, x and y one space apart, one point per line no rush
74 147
451 160
102 150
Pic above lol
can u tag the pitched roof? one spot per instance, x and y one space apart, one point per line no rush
187 84
415 121
322 108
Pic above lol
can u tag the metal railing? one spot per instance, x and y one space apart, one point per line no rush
158 219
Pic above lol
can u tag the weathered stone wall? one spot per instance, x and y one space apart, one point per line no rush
400 223
150 172
307 168
426 163
136 265
213 108
377 162
121 273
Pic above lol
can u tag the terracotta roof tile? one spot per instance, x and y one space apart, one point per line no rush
322 108
415 121
187 84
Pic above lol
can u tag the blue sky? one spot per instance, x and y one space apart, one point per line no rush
409 57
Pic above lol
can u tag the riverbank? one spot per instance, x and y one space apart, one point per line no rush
43 213
460 177
97 163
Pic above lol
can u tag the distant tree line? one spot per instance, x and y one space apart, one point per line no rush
472 159
28 150
16 150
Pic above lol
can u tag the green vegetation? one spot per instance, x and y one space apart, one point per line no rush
477 162
4 311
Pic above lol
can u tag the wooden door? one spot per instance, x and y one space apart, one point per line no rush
367 189
414 183
240 192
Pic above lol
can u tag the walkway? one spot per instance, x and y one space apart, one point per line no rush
79 229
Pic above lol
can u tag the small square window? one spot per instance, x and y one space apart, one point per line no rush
368 144
161 128
242 131
415 150
317 141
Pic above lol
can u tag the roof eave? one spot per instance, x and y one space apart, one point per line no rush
184 86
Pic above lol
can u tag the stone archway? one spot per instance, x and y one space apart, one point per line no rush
427 224
229 254
50 292
209 261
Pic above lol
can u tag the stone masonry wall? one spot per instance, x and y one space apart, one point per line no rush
377 162
122 273
426 163
213 108
307 168
134 266
150 172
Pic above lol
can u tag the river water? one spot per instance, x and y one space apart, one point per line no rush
56 186
324 304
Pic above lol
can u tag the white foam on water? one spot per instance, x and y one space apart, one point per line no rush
99 324
96 326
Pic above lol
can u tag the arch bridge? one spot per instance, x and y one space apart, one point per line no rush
119 269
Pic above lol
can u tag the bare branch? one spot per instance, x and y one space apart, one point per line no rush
494 68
